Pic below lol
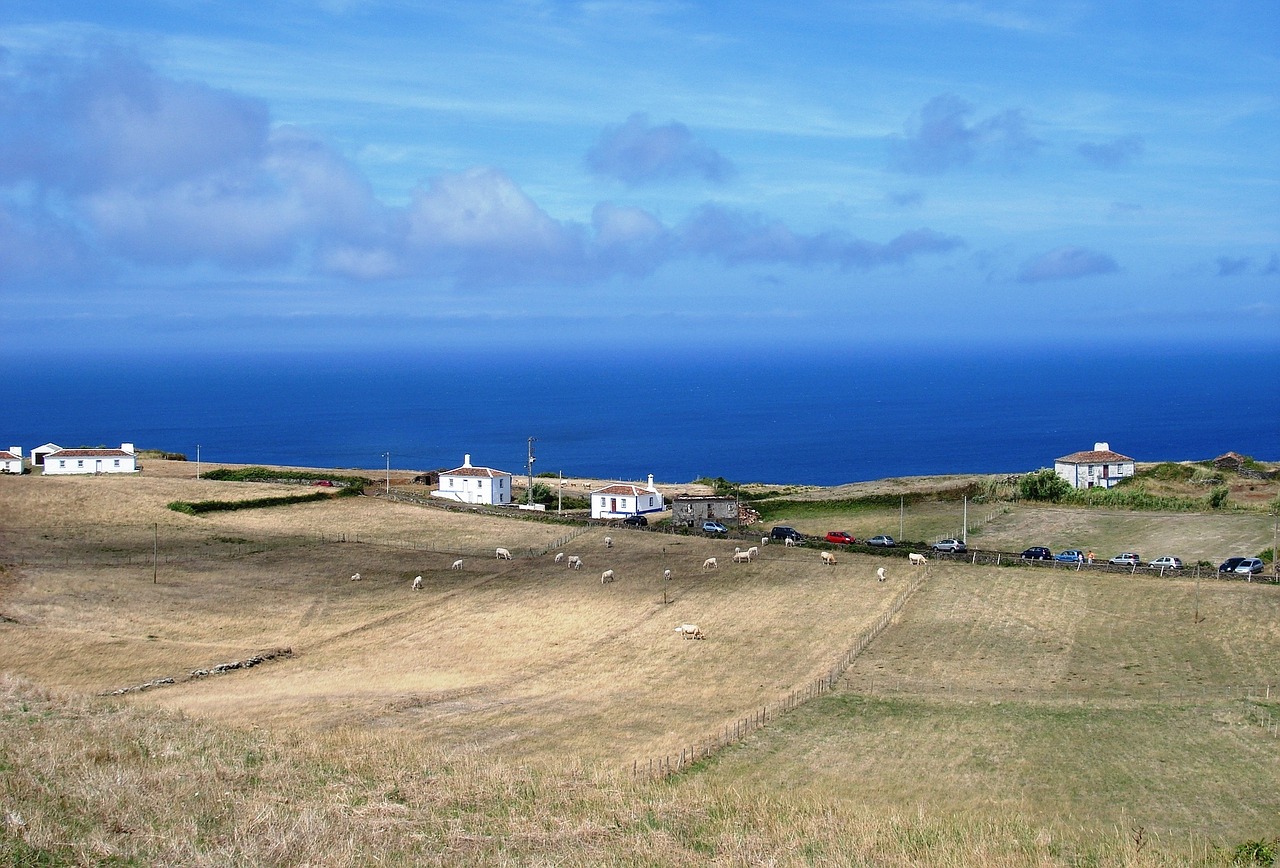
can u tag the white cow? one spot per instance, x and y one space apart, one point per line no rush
575 562
356 577
917 560
417 583
764 540
754 552
666 574
608 542
829 558
457 565
709 564
606 576
503 555
742 557
559 557
690 631
789 542
880 576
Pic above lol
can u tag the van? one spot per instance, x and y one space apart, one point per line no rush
784 532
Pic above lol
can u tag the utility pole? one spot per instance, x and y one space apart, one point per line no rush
529 468
560 496
964 535
155 554
387 455
902 509
197 461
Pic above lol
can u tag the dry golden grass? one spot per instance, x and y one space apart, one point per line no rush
1009 717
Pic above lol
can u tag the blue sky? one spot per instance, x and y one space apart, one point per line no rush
227 175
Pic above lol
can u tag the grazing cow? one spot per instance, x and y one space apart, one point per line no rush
606 576
417 583
764 540
709 564
356 577
789 542
754 552
666 574
559 557
690 631
575 562
608 542
829 558
880 576
457 565
917 560
742 557
503 555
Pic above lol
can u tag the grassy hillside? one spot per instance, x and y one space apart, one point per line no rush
1008 716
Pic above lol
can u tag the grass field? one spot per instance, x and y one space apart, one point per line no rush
1008 715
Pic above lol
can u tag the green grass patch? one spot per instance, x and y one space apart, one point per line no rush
200 507
279 475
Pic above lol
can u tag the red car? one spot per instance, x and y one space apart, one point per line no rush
840 538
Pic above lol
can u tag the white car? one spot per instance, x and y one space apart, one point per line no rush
1168 562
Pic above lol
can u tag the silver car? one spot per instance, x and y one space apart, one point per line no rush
1248 566
1167 562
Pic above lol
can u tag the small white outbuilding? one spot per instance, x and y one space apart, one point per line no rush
469 484
11 460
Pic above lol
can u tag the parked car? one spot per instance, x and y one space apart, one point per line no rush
714 527
636 521
882 540
950 545
1126 559
1248 566
1167 562
1230 564
1071 556
784 532
1037 553
840 537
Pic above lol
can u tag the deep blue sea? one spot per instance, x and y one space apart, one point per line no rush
819 420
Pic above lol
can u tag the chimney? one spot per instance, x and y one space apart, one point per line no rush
466 460
126 447
651 480
1102 447
16 450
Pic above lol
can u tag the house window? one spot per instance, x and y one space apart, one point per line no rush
80 463
117 462
62 462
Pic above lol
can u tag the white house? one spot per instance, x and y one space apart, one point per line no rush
1098 468
66 461
11 460
467 484
622 499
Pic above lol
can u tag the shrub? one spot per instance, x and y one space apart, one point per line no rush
1044 484
1218 497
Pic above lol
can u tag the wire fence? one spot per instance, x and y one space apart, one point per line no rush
712 743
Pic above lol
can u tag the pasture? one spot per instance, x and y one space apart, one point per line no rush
1007 716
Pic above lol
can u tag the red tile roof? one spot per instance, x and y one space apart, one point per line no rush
624 488
6 455
487 472
1093 457
90 453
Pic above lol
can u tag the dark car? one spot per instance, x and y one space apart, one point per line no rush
840 537
784 532
1037 553
714 527
1230 564
950 545
636 521
883 540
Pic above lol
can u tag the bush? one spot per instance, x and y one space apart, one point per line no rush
1044 484
1218 497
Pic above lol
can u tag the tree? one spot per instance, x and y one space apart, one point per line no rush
1044 484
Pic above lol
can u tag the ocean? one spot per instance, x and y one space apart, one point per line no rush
816 419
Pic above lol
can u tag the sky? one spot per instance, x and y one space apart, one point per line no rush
618 176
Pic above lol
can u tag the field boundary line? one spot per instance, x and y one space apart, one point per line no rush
730 734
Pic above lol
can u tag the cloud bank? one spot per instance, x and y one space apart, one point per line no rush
941 138
106 165
637 153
